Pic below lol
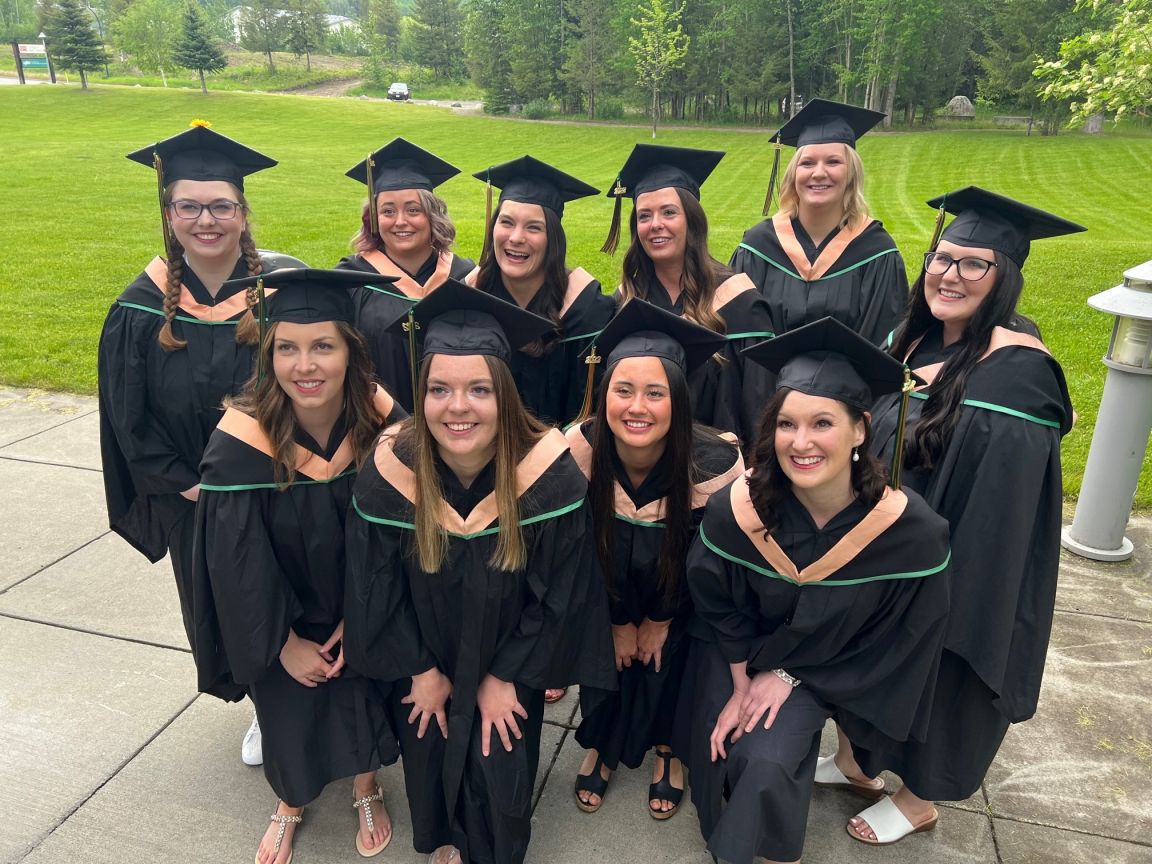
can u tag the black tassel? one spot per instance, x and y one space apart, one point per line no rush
613 239
261 312
410 327
898 452
158 164
776 146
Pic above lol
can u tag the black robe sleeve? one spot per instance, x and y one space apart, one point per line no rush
746 387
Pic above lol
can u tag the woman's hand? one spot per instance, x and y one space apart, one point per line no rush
305 661
429 694
624 643
337 638
498 706
728 723
650 639
767 693
192 494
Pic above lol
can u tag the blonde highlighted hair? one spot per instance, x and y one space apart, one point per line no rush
854 205
443 229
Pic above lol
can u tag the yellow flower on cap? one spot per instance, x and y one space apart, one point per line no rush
199 122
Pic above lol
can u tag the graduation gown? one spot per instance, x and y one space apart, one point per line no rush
730 396
158 408
857 277
998 484
269 561
856 610
640 715
543 626
552 386
378 307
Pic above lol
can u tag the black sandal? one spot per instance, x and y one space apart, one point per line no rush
594 784
663 790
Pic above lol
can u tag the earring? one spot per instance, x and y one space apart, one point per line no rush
855 454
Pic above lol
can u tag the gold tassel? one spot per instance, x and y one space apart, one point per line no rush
591 361
898 453
410 327
938 229
613 239
158 164
487 216
373 216
776 146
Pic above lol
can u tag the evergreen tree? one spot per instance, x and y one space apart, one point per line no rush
196 49
75 45
590 50
306 28
436 26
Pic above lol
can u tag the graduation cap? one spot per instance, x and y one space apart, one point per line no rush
827 358
455 319
990 221
654 166
399 164
820 122
198 154
640 329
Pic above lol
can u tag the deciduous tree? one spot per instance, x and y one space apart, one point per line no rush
660 48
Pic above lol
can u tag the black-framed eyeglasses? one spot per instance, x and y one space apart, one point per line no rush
222 209
970 269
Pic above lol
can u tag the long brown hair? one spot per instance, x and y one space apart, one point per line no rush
555 277
516 433
768 484
677 532
247 329
702 273
265 400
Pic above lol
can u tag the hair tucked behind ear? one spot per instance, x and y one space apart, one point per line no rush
248 328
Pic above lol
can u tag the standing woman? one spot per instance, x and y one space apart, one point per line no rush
269 593
472 584
175 343
650 471
822 254
821 593
524 262
669 265
984 450
405 233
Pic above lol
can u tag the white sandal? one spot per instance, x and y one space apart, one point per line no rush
889 824
365 805
829 776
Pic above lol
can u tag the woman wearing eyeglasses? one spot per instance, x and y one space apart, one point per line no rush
983 448
174 344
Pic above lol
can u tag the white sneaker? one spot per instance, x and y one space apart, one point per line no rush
252 749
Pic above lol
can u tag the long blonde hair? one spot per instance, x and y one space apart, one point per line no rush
516 433
855 207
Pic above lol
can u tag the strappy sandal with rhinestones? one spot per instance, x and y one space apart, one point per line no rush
284 822
365 805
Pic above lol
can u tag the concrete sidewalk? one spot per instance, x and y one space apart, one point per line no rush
107 753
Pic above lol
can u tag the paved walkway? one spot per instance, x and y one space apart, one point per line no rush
107 753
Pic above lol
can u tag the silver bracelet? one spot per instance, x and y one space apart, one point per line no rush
791 680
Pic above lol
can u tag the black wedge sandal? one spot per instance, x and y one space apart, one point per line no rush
663 790
594 784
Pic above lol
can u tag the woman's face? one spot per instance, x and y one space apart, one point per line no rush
207 238
520 240
661 226
310 362
814 440
954 300
822 175
404 224
460 407
638 405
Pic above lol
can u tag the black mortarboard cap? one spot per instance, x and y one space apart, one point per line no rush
827 358
400 164
307 296
530 181
456 319
990 221
825 122
643 330
654 166
201 154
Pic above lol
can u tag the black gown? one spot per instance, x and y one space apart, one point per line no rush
999 486
552 386
859 280
544 626
627 724
271 560
731 395
379 307
855 610
158 408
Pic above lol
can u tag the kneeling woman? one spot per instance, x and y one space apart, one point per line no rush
821 592
276 483
472 582
650 472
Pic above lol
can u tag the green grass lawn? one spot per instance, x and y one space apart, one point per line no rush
81 220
